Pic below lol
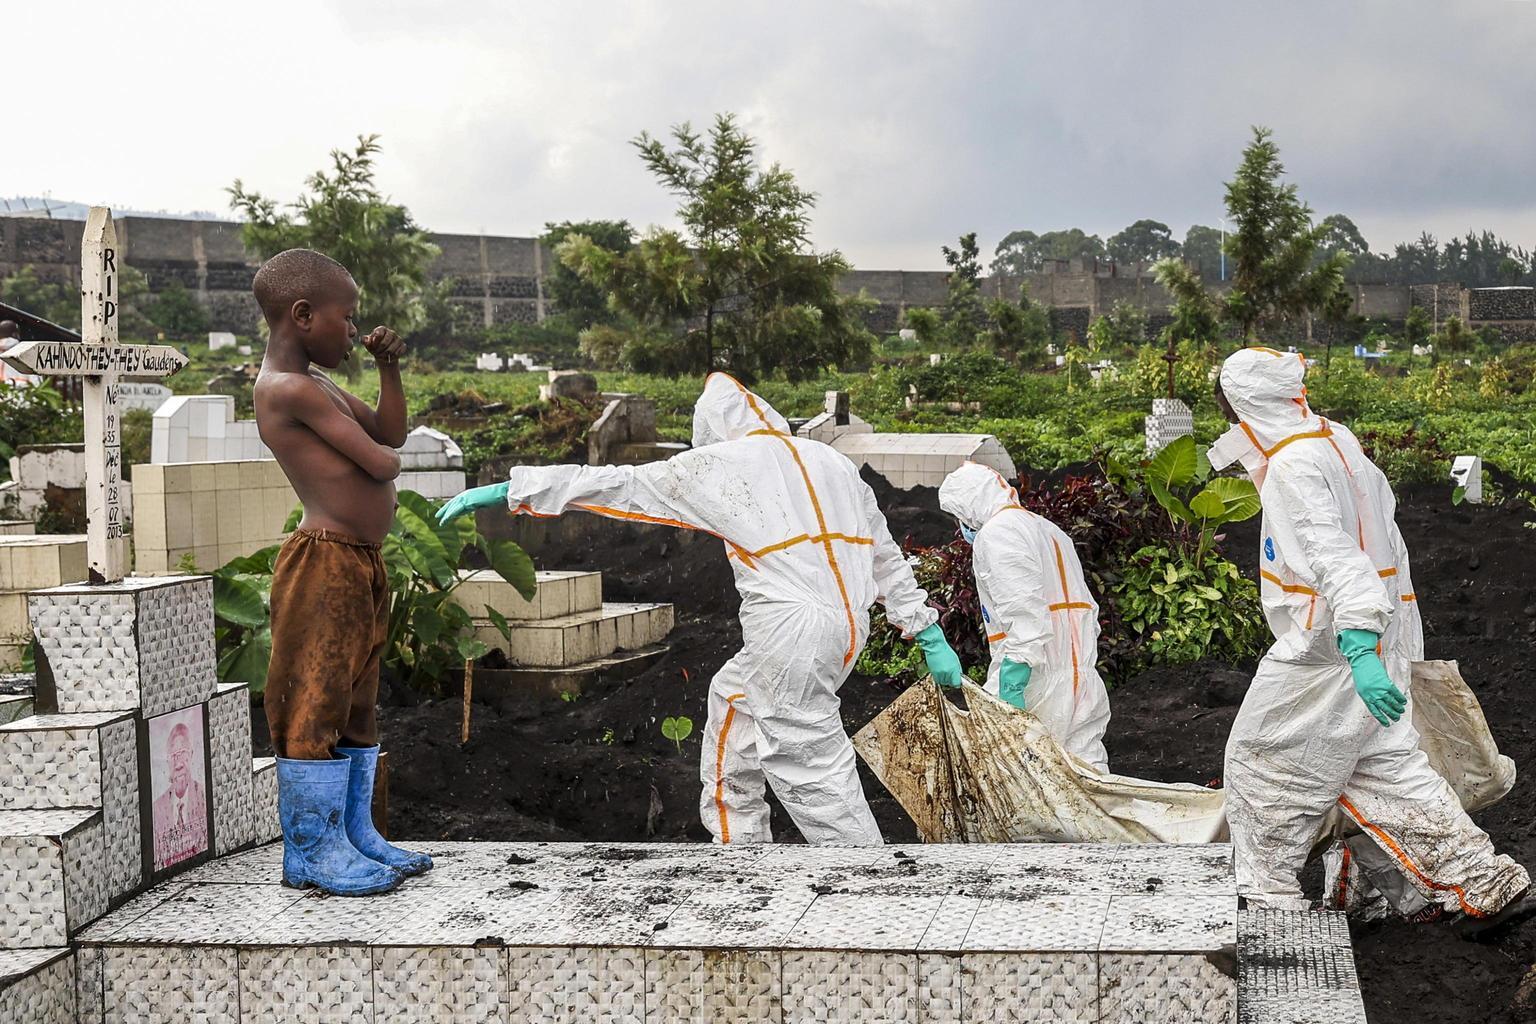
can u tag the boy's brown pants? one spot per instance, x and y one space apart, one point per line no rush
330 621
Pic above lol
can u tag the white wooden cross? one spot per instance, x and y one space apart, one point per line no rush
102 362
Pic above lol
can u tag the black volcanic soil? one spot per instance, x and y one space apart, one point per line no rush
598 768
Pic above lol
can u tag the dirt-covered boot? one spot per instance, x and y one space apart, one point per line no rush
1486 929
365 764
311 804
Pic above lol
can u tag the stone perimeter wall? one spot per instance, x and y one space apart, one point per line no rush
500 279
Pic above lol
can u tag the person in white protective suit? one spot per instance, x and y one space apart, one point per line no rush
811 553
1041 622
1324 721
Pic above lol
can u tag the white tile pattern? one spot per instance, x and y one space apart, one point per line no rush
37 986
595 932
234 798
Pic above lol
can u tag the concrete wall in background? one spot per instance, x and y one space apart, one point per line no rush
499 279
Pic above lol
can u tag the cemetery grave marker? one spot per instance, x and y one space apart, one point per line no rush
101 362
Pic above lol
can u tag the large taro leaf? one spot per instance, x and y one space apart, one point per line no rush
422 546
247 663
511 564
1239 498
238 601
453 535
1174 466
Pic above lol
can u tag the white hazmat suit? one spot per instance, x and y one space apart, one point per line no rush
1036 608
1331 559
811 552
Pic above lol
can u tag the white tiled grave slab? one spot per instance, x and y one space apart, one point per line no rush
1296 968
37 986
234 793
144 644
80 761
52 875
543 932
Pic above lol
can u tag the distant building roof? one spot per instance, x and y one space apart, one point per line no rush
59 209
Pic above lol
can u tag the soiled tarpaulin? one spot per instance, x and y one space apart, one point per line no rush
990 773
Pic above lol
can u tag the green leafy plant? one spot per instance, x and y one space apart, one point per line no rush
677 729
1186 611
1175 472
429 636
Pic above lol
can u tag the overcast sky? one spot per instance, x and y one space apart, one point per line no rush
913 121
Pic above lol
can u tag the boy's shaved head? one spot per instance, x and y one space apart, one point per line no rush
296 274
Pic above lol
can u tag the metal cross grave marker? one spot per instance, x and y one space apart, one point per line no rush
101 362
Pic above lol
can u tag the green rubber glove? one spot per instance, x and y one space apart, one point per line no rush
468 501
943 662
1382 698
1012 678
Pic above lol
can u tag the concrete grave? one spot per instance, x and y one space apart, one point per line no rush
37 470
143 396
1171 419
29 562
431 464
210 511
219 340
203 428
923 460
489 361
568 384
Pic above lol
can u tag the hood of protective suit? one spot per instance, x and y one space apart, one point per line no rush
1267 391
975 493
727 411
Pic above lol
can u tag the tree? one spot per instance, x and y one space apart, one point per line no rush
1454 336
742 281
344 215
1145 241
1202 247
582 301
1416 327
1023 252
1123 327
1020 331
1339 234
177 312
964 314
1196 313
1274 246
52 300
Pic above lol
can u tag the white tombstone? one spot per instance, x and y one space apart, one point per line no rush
101 362
203 428
1171 419
489 361
220 339
143 396
1467 473
935 358
907 334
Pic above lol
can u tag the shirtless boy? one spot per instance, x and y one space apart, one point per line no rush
330 596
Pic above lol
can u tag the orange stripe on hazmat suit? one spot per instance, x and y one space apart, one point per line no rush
1331 559
1038 609
811 553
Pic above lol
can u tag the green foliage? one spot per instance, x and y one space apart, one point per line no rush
344 215
429 635
1196 313
1416 327
1173 476
964 313
1187 611
1453 336
1020 331
177 312
581 300
1145 241
741 287
1023 252
34 416
677 729
58 301
1274 247
1123 327
1202 249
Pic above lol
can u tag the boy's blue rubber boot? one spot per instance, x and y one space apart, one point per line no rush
311 804
365 763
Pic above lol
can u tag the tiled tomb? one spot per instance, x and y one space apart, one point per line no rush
591 933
